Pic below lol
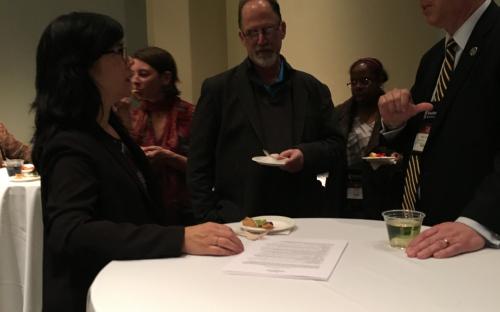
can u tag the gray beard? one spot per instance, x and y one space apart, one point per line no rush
265 61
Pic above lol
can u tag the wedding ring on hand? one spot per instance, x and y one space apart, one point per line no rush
446 242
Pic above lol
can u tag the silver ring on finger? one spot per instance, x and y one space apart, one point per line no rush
446 242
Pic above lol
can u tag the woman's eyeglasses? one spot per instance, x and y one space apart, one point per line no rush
120 50
363 82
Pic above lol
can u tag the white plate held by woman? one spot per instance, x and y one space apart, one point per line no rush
376 162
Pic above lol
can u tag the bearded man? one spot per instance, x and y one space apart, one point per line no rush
262 104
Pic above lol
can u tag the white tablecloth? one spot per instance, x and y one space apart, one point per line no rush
21 239
370 276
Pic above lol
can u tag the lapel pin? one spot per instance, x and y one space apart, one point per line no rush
473 51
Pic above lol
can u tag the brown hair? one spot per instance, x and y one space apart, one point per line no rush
162 61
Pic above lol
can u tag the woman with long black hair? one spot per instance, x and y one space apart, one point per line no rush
99 200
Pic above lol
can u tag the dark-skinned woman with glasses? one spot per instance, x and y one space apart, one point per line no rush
99 200
359 119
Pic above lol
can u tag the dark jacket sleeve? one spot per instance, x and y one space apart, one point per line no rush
484 206
201 157
91 212
322 154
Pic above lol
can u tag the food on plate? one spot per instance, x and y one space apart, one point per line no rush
373 154
27 168
378 155
258 223
18 176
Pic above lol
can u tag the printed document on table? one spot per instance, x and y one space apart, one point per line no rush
290 258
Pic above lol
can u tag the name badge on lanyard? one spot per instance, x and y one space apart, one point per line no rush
354 186
354 193
423 133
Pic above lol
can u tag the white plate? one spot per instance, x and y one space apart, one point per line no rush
376 162
280 223
27 168
24 179
269 161
387 159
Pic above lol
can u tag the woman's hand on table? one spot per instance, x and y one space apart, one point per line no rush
445 240
172 159
211 239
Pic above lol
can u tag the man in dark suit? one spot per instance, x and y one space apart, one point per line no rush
459 158
261 104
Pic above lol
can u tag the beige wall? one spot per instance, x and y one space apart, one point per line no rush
325 36
21 25
168 28
235 50
194 32
208 41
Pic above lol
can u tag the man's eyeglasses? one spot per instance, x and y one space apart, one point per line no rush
253 34
363 82
120 50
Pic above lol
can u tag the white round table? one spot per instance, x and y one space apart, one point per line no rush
370 276
21 245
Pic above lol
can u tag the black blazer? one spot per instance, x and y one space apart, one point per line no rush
225 184
380 187
460 167
95 210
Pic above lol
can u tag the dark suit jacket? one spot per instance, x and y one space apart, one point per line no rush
379 186
96 210
460 168
225 184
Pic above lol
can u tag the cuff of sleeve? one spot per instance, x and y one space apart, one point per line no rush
390 134
492 239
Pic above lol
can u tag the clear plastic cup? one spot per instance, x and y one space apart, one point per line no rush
402 226
14 166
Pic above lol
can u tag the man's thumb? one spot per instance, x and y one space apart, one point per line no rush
422 107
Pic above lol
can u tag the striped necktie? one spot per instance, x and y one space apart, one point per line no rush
412 176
